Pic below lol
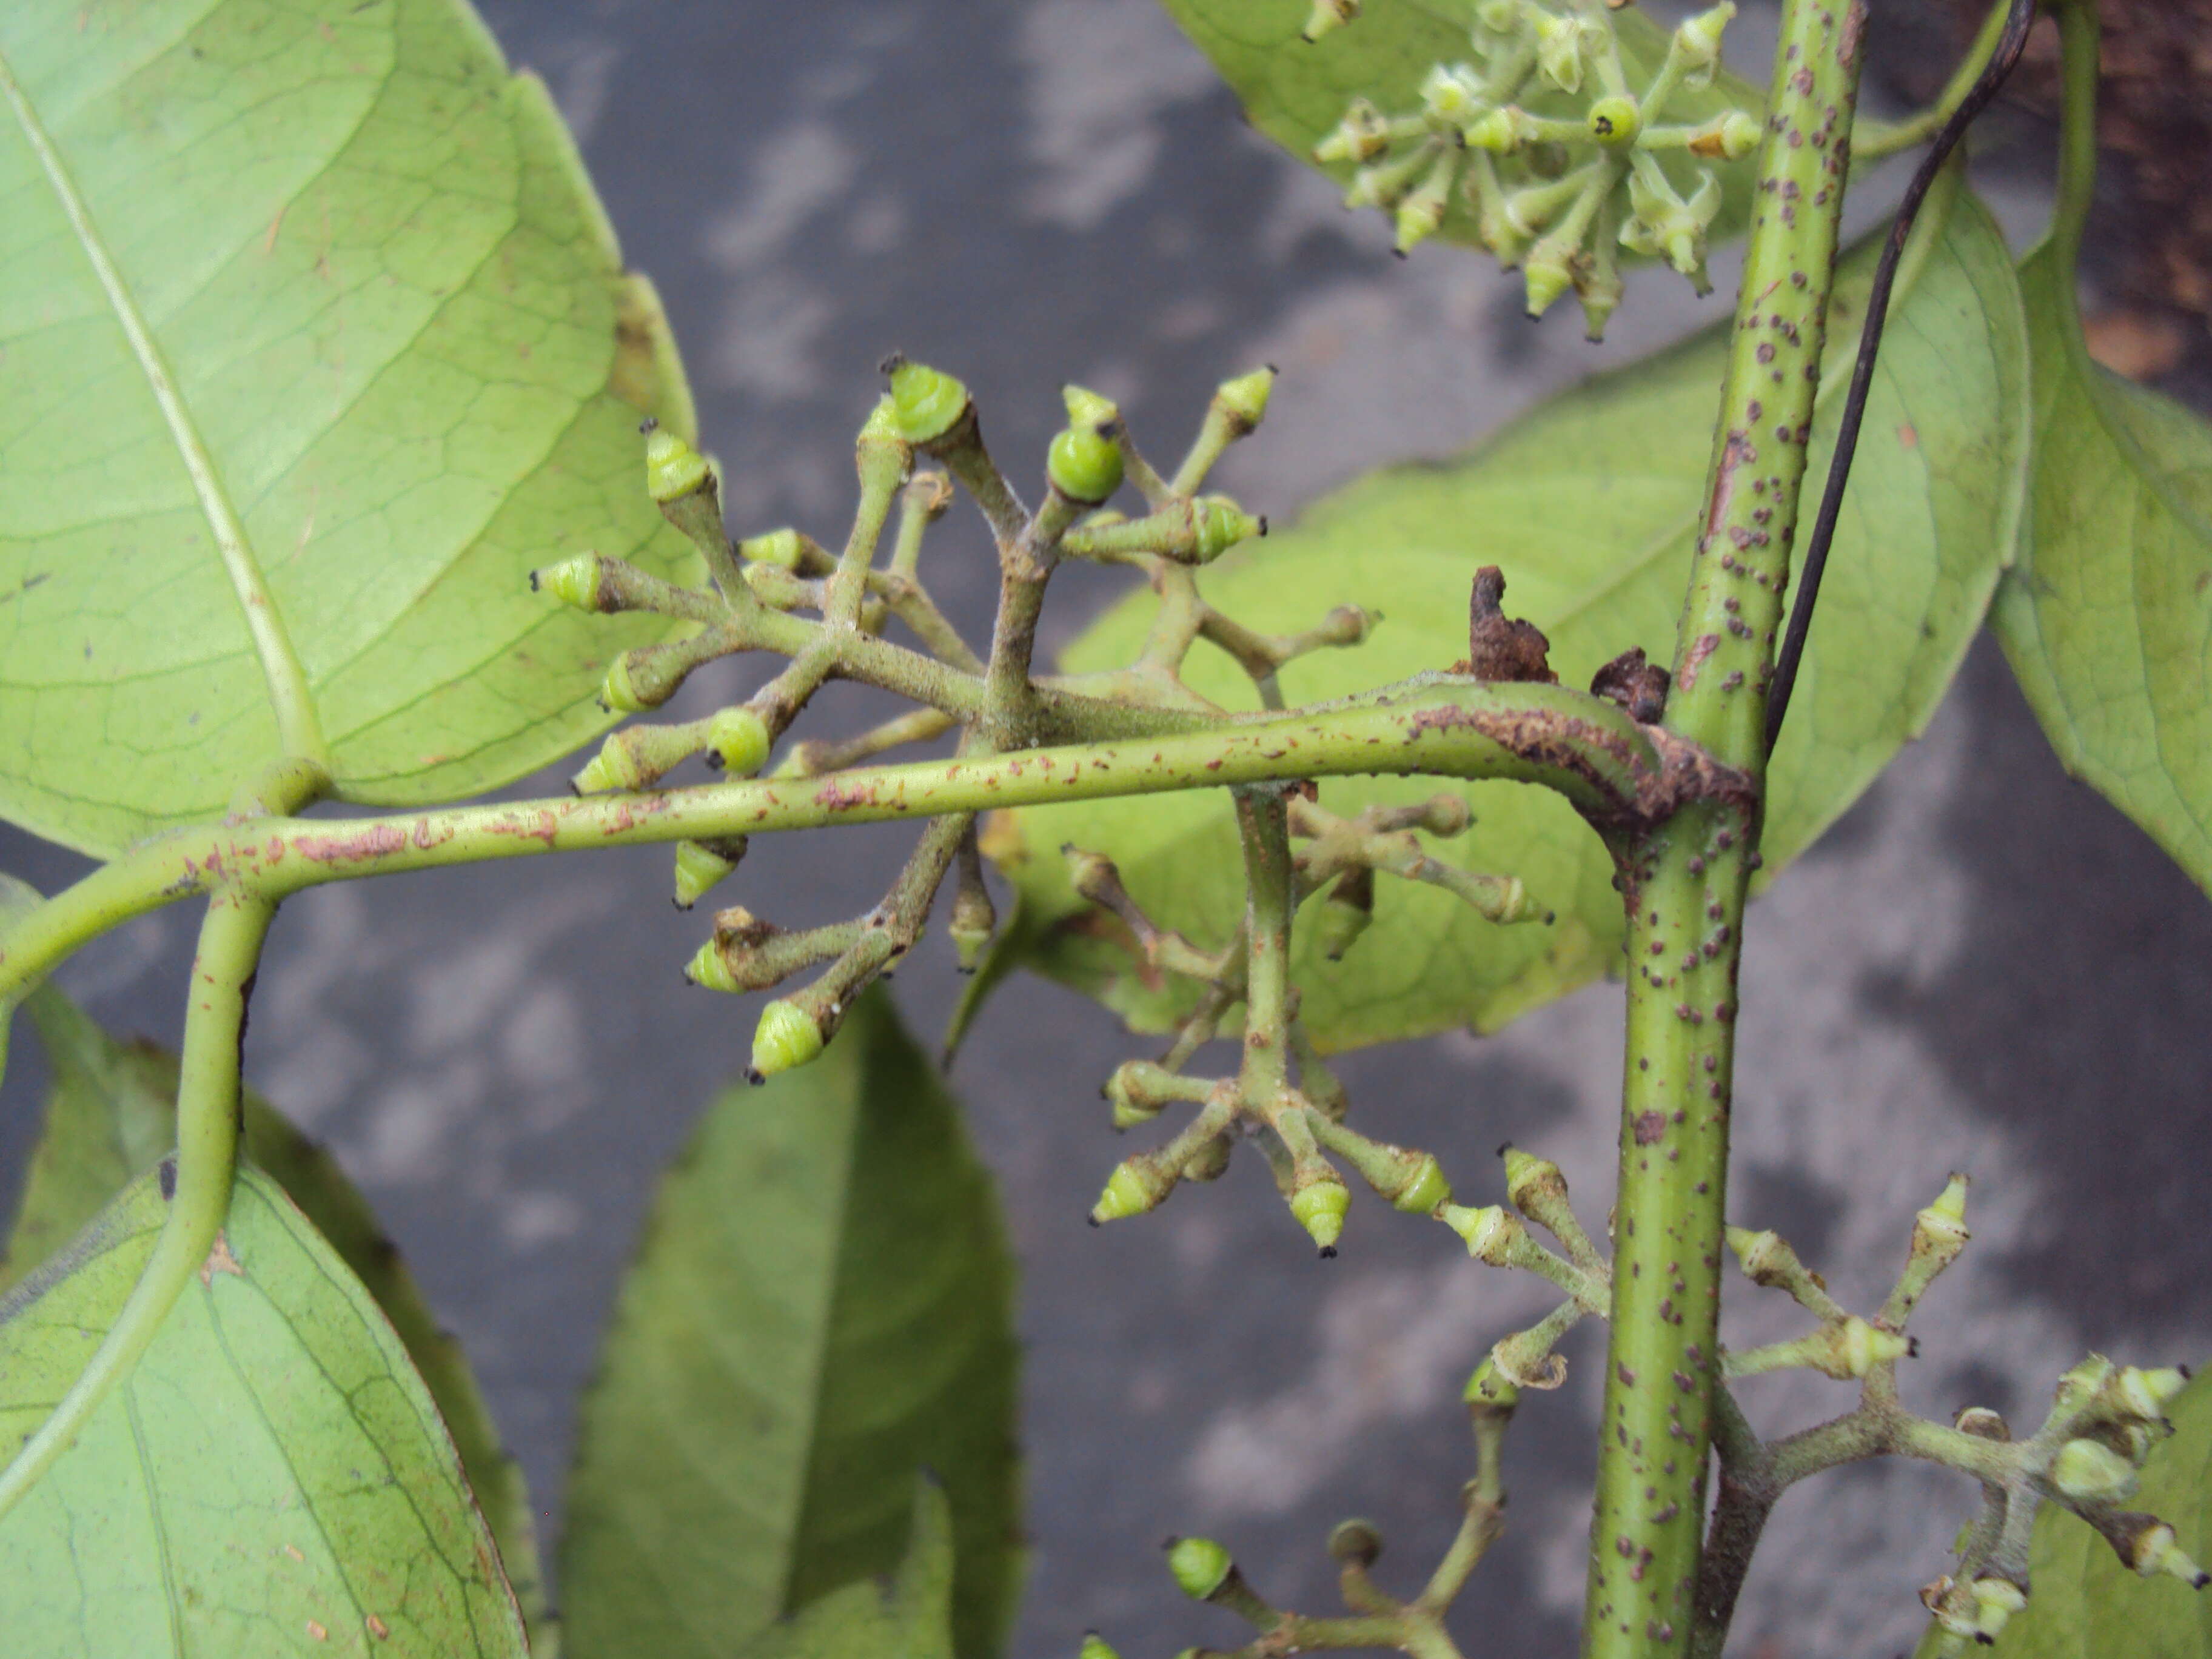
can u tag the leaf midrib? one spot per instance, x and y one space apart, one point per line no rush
298 725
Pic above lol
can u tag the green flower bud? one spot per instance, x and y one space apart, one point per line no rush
1354 1544
1083 466
925 405
1529 1179
1320 1208
672 467
1549 273
1615 122
1996 1601
700 865
1698 43
1095 1647
1449 92
707 969
1133 1094
883 425
1422 212
781 547
738 737
2090 1472
1728 137
1491 1232
1363 136
1201 1566
1503 131
784 1038
2146 1395
614 768
1860 1347
1327 16
1138 1184
574 581
2154 1549
1220 524
1244 398
619 693
1426 1189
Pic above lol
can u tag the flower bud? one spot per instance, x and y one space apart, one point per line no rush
1728 137
1450 91
2153 1549
708 969
1562 42
1615 122
1244 398
1425 1190
1327 16
1095 1647
1083 464
1859 1347
781 547
787 1038
700 865
1201 1566
2145 1395
672 467
576 583
1548 273
617 691
926 403
633 758
1698 43
1491 1233
1138 1184
1218 524
1135 1093
738 737
1355 1544
1422 212
1531 1180
2090 1472
1996 1601
1943 1224
1502 131
1320 1206
1363 136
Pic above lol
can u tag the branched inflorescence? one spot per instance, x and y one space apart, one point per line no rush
1555 153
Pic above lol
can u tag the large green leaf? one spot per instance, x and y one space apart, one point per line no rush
2085 1605
1590 508
2107 617
272 1479
822 1302
1296 91
367 262
858 1621
111 1115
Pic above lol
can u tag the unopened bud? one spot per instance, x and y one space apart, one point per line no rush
1138 1090
787 1038
700 865
1363 136
1095 1647
1320 1206
1422 213
2146 1395
2156 1550
1530 1180
576 581
1561 44
633 758
1996 1601
619 692
1549 272
1328 16
1493 1233
1244 398
1728 137
926 403
1218 524
1857 1347
1138 1184
672 467
2090 1472
1697 42
781 548
739 738
1201 1566
706 968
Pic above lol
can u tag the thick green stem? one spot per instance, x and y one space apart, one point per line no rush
199 1200
1684 882
1583 746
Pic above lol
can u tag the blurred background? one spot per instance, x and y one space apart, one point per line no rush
1982 967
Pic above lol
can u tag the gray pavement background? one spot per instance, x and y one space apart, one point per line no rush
1982 967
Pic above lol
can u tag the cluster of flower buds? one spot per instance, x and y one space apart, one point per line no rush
1558 161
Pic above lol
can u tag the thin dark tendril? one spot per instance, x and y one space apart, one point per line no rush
2009 48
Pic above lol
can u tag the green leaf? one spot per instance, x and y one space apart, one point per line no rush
110 1115
859 1621
1589 507
1296 91
822 1302
272 1477
2107 617
406 368
2083 1604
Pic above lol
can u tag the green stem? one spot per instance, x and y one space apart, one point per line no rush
1878 140
1684 882
207 1158
1584 747
2079 45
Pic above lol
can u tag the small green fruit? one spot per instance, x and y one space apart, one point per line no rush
778 547
573 581
1201 1566
1861 1346
1326 17
1083 466
1136 1185
740 737
699 866
1244 398
1547 275
618 692
614 768
1426 1190
1219 525
672 467
1615 122
1096 1647
1319 1209
926 403
787 1038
